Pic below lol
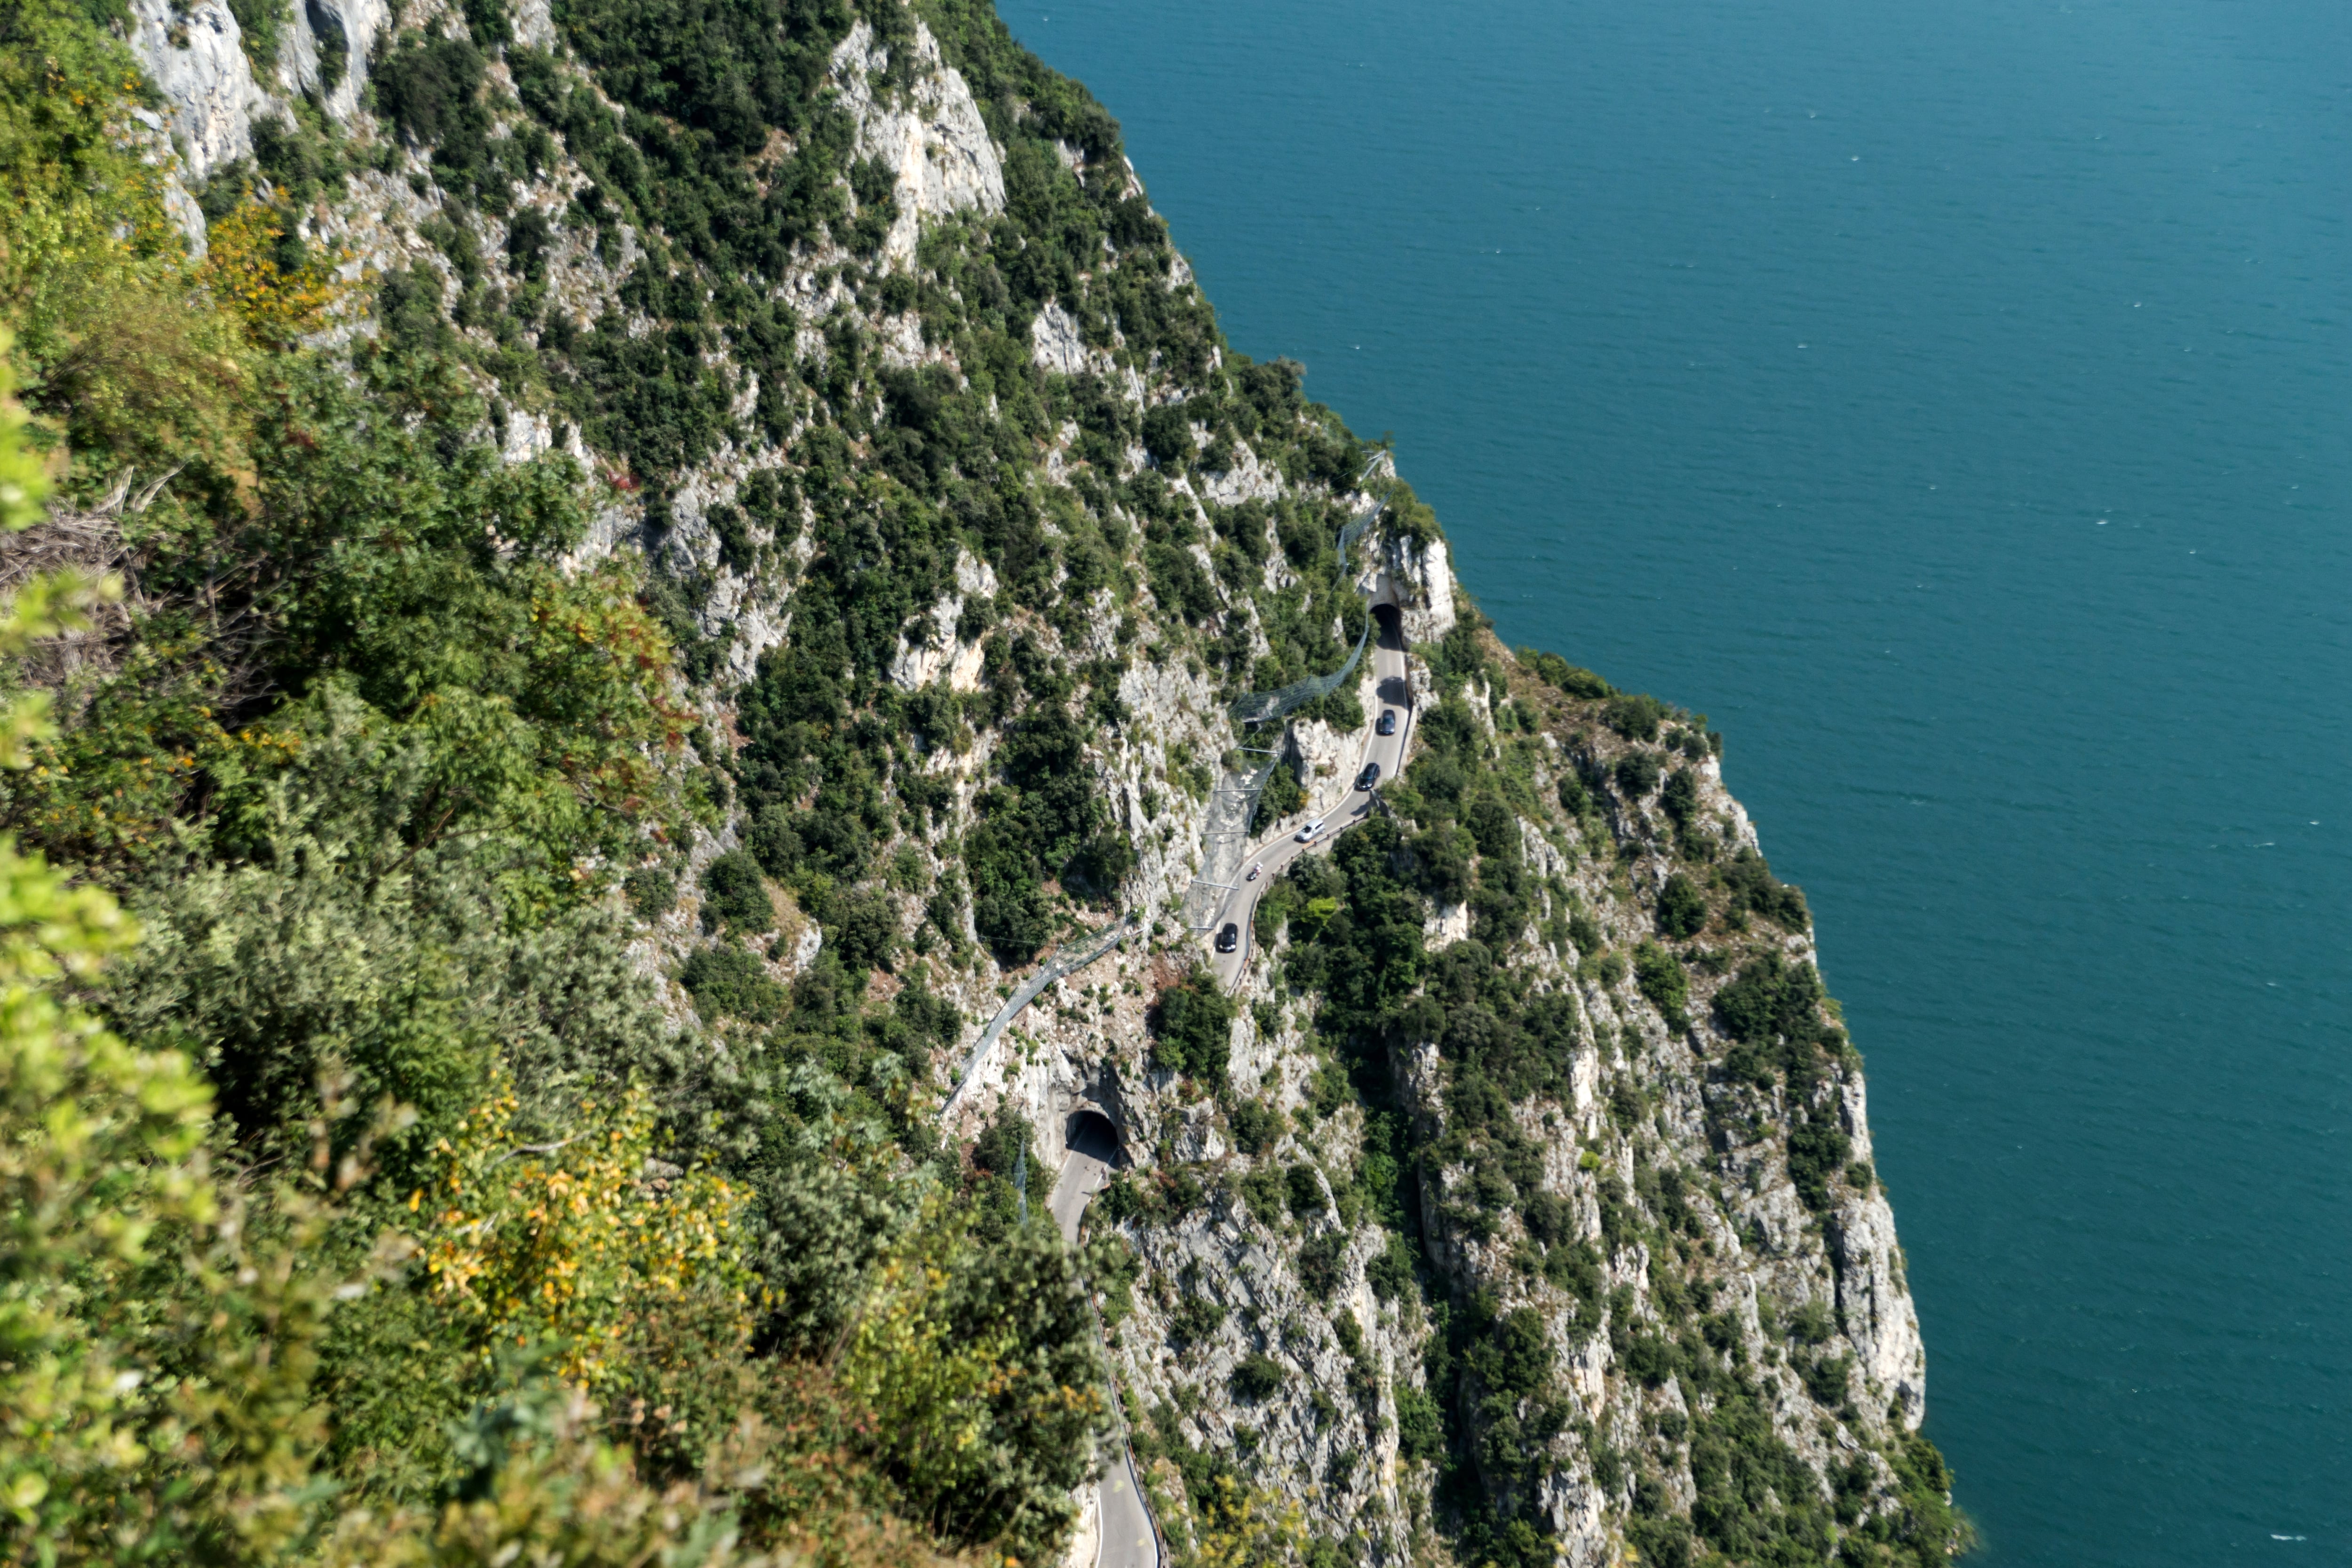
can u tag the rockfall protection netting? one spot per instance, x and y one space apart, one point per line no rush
1355 529
1060 964
1260 707
1224 837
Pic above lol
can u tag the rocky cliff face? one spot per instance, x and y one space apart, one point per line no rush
1699 1267
1520 1207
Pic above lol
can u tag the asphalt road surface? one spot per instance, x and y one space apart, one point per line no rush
1269 858
1094 1151
1127 1540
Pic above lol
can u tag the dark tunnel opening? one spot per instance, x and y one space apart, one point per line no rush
1090 1132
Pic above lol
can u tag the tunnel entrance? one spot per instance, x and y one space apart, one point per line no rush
1091 1133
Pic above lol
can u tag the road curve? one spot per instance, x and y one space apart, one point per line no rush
1240 904
1125 1539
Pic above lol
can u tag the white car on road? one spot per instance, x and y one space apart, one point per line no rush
1307 834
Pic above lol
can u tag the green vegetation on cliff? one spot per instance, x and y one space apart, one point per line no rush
454 696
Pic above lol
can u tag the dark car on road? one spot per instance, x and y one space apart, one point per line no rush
1230 938
1387 726
1369 776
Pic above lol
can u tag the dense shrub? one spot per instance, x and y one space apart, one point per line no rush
652 891
1572 678
1492 826
1682 908
729 982
1390 1273
1168 434
1304 1191
1826 1379
1679 799
1817 1147
1256 1126
1194 1030
1811 1324
1283 794
1660 976
1772 1001
735 895
1755 888
1039 821
1319 1263
1441 860
430 88
1197 1318
1421 1425
1585 932
1255 1377
1179 585
1516 1358
861 927
1635 716
1637 775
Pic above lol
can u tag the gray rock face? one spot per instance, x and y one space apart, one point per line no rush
155 137
198 64
1423 577
930 135
1055 344
1874 1299
322 27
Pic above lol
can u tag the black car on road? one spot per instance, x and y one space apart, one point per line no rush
1230 938
1369 776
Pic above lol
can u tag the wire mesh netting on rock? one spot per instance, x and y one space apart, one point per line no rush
1224 838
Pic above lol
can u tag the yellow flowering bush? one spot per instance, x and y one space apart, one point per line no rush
568 1241
1249 1527
241 267
929 1388
969 1357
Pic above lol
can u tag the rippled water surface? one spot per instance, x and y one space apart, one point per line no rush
1951 399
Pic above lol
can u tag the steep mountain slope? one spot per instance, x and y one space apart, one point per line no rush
1518 1205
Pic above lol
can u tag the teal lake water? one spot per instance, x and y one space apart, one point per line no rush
1954 401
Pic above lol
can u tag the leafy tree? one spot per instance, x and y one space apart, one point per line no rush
1660 975
1637 775
863 926
1679 799
116 348
1682 908
1635 716
1168 434
333 941
735 894
1196 1029
573 1240
980 1369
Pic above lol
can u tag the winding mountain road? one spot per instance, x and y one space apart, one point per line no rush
1127 1539
1240 905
